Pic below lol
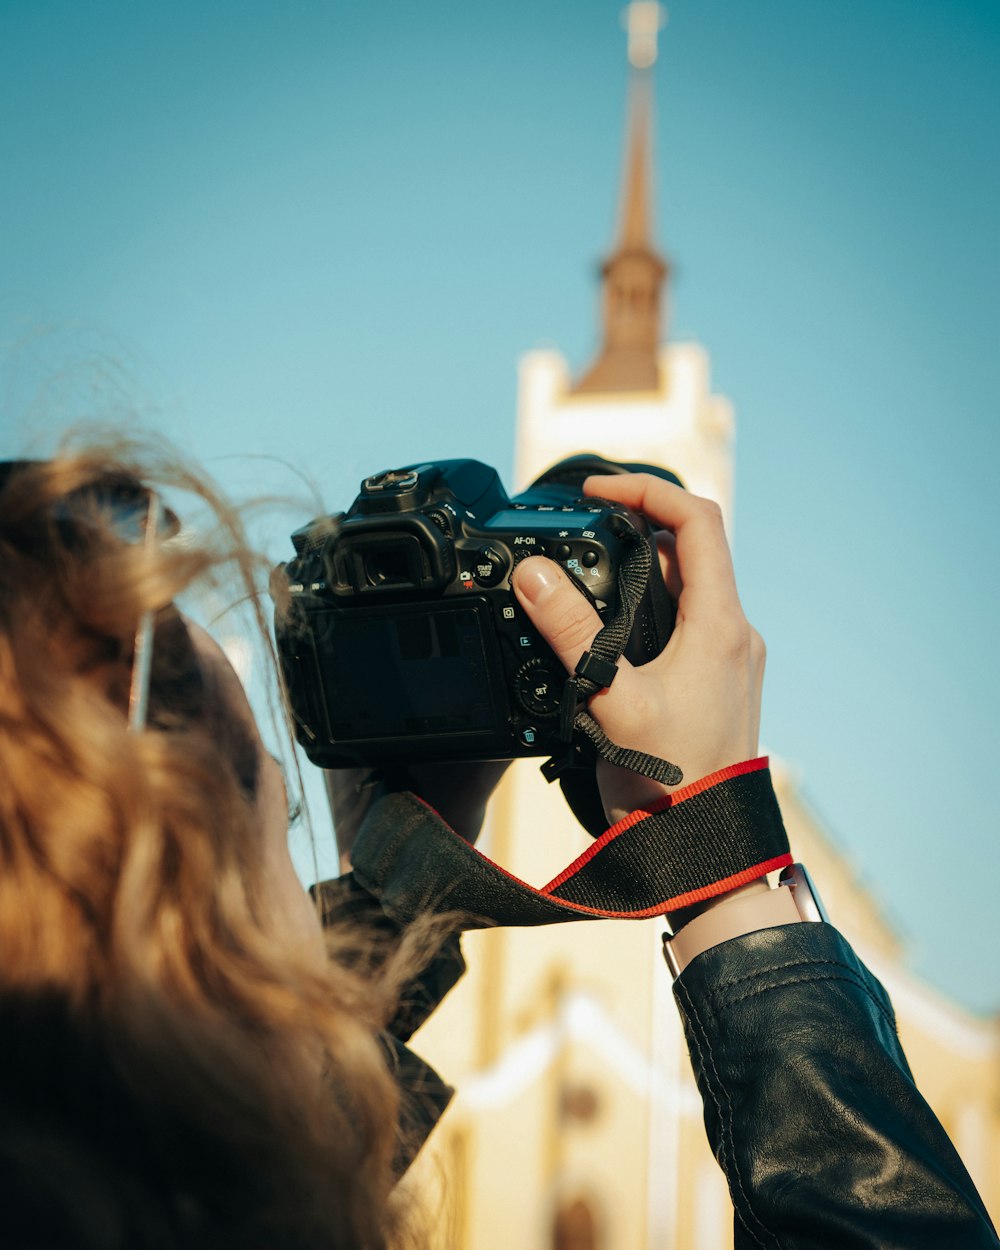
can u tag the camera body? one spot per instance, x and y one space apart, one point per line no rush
403 639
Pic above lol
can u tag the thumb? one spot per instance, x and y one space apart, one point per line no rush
559 612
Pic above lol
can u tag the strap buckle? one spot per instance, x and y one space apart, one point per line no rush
594 669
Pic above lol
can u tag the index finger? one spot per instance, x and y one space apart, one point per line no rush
701 549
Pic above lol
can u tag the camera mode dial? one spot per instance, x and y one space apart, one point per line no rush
395 490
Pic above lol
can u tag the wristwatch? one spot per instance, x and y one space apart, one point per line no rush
792 901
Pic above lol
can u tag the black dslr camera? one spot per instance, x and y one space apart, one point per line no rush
403 639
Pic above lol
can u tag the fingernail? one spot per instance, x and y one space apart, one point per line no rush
536 579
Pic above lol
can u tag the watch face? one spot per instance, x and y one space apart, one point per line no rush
670 957
806 896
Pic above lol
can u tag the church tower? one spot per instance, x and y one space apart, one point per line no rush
640 398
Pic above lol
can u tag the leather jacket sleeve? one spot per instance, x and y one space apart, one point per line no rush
810 1105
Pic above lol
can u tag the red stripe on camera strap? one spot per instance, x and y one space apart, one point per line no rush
719 832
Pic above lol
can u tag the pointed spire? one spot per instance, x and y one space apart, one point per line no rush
636 208
633 274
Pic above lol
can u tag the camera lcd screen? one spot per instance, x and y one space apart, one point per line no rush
403 674
529 519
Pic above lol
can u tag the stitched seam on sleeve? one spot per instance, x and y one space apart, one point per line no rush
851 980
791 963
725 1119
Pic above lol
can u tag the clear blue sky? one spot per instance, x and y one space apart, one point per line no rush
325 231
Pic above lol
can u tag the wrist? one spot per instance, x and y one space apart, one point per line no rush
794 900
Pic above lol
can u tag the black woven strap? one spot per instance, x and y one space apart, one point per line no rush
712 836
638 761
596 671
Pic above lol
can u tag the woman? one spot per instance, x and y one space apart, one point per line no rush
185 1067
182 1065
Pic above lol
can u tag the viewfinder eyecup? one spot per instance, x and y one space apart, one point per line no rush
396 554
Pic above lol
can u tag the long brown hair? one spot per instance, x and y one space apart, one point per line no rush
174 1071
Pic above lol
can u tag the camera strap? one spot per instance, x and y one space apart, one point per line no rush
720 832
596 671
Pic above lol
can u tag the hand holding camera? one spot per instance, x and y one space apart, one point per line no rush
698 702
458 790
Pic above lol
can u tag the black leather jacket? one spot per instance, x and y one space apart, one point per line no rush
810 1105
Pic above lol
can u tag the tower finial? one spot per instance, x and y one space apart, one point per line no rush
643 19
634 273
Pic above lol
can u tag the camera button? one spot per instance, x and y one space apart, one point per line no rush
489 566
589 559
538 687
528 736
564 551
